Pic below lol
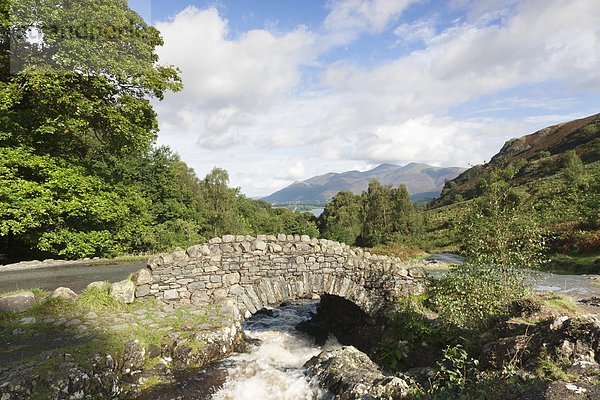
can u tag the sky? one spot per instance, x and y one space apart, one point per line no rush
277 91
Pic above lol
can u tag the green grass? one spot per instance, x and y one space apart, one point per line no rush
574 264
98 299
151 382
551 370
560 303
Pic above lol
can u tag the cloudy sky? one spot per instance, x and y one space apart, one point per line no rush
281 90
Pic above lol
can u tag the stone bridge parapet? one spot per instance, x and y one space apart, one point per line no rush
256 272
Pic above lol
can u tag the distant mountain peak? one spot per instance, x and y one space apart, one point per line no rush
421 180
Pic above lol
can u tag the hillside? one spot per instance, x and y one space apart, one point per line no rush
421 180
533 156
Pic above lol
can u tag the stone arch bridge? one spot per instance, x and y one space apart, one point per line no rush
256 272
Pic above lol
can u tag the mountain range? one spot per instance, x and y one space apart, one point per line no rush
422 181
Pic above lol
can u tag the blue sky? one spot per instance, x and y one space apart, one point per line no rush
281 90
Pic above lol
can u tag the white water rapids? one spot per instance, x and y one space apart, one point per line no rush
273 370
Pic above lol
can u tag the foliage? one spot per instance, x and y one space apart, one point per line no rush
467 297
80 173
500 231
409 329
456 370
58 208
573 171
549 369
380 215
341 220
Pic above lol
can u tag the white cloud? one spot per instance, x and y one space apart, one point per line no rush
227 80
545 42
245 107
364 15
418 31
423 139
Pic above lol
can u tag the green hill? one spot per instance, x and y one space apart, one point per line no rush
532 157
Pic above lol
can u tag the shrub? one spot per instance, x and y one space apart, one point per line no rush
467 297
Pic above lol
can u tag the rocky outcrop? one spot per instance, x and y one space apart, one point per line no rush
350 374
255 272
70 381
565 338
98 355
17 302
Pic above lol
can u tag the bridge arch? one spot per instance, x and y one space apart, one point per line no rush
256 272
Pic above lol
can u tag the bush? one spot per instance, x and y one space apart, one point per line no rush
468 297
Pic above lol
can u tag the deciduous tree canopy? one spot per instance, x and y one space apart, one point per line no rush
80 174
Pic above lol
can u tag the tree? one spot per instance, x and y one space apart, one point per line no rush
573 171
75 123
85 90
221 212
500 238
49 206
341 219
388 215
500 230
377 214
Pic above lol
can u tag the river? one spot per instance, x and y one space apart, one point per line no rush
273 369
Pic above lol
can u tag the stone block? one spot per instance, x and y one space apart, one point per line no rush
416 273
142 290
215 279
220 294
401 272
226 249
142 277
166 260
194 251
228 239
196 286
172 294
66 294
259 245
231 279
237 290
99 285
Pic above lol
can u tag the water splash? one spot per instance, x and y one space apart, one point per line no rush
273 370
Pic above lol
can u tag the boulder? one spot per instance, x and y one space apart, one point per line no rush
17 302
65 294
350 374
123 291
